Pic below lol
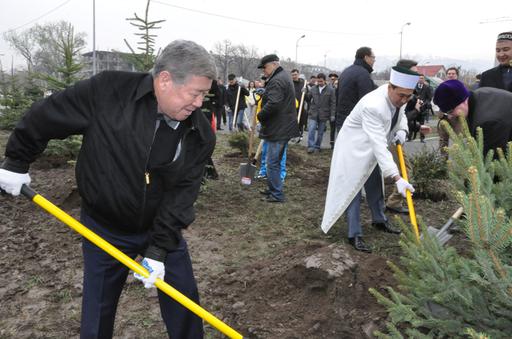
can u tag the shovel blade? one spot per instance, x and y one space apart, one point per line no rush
247 172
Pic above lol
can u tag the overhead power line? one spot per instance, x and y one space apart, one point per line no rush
39 17
301 29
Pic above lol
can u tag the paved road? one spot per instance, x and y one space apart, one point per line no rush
410 147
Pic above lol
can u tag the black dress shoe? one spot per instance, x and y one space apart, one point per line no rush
270 198
387 226
359 244
402 210
265 192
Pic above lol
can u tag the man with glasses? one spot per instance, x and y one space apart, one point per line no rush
355 82
486 107
361 153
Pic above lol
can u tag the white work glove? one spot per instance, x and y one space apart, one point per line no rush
156 270
11 182
400 136
402 186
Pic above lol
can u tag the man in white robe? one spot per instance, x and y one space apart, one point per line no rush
361 154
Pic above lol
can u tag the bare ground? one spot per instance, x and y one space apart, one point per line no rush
265 269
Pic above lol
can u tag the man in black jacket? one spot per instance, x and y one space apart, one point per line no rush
486 107
355 82
234 90
145 145
278 118
501 75
298 85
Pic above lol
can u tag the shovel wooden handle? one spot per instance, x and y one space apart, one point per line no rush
410 205
127 261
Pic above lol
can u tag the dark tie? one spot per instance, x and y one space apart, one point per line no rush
395 119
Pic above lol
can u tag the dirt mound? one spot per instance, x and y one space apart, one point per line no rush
313 290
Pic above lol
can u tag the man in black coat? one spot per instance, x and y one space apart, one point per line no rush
355 82
145 146
501 75
278 118
486 107
298 85
233 90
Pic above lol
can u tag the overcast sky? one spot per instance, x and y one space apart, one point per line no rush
333 29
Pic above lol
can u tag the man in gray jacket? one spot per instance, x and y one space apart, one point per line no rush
322 109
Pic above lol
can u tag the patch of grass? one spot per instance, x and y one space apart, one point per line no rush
34 281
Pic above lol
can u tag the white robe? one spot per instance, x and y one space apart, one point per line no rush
361 144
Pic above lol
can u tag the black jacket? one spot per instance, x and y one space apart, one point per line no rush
491 109
278 115
494 78
231 97
355 82
116 113
323 105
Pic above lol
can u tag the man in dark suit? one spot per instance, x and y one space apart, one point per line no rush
501 75
488 108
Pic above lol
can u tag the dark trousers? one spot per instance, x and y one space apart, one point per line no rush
332 125
104 278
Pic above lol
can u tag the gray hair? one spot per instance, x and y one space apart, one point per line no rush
183 58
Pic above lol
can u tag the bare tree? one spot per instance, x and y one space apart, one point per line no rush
224 53
49 58
24 43
246 59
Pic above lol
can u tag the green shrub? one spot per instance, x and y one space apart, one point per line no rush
66 149
429 172
239 141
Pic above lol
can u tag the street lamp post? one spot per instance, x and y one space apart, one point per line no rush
401 36
297 46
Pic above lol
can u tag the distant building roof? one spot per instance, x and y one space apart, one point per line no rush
430 70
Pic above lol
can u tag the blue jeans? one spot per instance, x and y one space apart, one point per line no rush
263 167
230 120
375 199
104 278
275 151
313 142
240 120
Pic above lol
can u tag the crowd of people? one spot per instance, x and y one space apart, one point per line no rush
154 135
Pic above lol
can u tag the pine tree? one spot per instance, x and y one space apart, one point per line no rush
144 60
441 293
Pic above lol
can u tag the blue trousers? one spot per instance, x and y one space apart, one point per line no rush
275 153
375 199
240 120
104 278
263 167
315 136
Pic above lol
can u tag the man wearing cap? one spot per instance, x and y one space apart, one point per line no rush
361 153
278 118
501 75
486 107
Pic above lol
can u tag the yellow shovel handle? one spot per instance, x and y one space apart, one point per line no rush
127 261
410 205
